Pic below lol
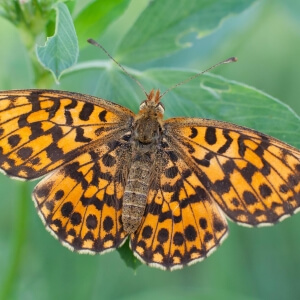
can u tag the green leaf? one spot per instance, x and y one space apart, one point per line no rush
61 50
168 26
96 17
127 256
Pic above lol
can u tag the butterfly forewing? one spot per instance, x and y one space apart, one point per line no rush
42 130
254 178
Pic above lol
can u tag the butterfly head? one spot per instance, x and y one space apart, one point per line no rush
152 105
149 120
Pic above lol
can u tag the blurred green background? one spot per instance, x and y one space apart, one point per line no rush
256 263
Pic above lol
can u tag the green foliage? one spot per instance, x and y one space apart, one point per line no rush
61 50
96 17
163 28
127 256
147 37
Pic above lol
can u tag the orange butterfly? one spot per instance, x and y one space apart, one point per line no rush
167 184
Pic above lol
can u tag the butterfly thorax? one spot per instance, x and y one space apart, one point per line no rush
147 130
148 122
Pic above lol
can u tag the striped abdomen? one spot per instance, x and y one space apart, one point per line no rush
136 191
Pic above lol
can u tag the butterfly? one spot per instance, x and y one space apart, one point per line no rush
167 185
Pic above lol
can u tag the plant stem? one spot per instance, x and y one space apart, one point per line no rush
18 243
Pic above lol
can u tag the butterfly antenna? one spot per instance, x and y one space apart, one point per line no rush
93 42
226 61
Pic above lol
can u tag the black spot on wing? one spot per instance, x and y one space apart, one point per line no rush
190 233
178 239
72 171
108 160
154 208
284 188
173 156
218 224
163 235
203 223
165 216
80 136
37 131
147 232
68 116
293 179
54 152
56 132
34 100
210 135
266 169
23 120
108 223
222 186
265 190
14 140
75 218
229 166
24 152
207 237
89 236
248 172
43 192
205 162
261 148
59 194
242 147
86 111
200 195
249 198
91 221
194 132
102 116
227 144
171 172
67 209
189 147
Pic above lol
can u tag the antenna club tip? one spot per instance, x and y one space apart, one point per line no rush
91 41
228 60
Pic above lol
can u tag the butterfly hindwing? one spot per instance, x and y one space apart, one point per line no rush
181 224
254 178
41 130
81 202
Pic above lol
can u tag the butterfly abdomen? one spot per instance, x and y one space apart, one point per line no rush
136 191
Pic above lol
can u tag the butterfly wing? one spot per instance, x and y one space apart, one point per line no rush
181 224
254 178
81 202
41 130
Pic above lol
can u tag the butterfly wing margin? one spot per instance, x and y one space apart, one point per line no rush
42 129
181 224
254 178
81 202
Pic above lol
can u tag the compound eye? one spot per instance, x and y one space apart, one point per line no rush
143 105
160 108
